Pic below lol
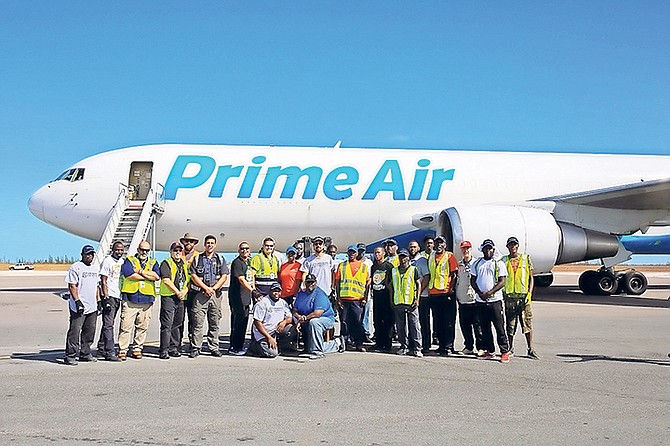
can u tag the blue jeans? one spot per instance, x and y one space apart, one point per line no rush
314 331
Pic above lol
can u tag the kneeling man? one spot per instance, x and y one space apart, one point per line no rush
272 330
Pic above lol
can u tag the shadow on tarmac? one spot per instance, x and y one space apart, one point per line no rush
571 294
588 358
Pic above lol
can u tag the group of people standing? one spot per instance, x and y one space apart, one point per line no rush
291 296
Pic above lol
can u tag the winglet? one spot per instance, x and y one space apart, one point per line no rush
338 144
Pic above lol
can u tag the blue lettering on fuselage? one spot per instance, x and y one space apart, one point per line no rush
338 184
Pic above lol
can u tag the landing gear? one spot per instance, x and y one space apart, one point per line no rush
606 281
544 280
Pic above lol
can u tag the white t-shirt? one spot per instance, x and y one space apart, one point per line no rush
270 314
86 279
485 272
112 269
323 268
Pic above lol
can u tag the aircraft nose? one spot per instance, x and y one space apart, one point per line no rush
36 203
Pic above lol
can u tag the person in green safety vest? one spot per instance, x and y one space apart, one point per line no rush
173 291
518 291
406 289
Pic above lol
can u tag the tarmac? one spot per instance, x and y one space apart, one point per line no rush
602 379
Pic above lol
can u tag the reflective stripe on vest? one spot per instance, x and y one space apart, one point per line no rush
439 273
404 286
165 291
132 286
394 260
517 282
352 287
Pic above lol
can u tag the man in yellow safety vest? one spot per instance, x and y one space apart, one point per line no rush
406 289
352 283
518 291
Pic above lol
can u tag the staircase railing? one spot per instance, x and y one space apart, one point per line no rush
106 239
151 207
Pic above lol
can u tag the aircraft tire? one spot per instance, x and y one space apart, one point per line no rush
587 280
634 283
544 281
605 283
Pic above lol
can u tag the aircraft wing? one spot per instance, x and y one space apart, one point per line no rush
645 195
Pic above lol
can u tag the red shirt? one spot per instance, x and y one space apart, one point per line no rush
289 273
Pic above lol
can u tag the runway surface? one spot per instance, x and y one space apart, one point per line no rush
603 378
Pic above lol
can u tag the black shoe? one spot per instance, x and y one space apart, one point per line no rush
88 358
70 361
194 353
216 353
175 354
112 358
163 355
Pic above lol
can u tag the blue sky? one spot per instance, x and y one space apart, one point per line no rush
79 78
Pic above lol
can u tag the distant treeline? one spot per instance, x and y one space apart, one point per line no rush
47 261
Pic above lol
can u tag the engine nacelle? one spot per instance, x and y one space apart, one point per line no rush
549 242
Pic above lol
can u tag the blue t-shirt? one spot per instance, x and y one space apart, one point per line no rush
316 300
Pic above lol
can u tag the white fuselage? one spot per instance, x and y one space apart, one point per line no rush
249 192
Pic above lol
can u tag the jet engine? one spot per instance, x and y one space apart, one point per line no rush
548 242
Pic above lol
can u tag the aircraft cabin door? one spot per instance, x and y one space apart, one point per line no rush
140 179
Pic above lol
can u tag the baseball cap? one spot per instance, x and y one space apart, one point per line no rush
403 252
390 241
487 242
176 245
466 244
291 249
440 239
352 248
512 240
317 238
275 286
310 278
361 246
87 249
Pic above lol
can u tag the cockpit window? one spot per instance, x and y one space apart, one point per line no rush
72 175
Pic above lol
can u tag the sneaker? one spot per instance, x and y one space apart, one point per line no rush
88 358
504 358
112 358
315 356
175 353
484 355
425 350
417 353
194 353
122 356
532 354
241 352
163 355
341 346
402 352
361 349
216 353
466 351
70 361
136 354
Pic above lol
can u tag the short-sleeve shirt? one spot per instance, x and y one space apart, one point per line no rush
453 266
421 264
381 277
85 277
127 271
289 277
323 268
270 314
306 303
111 268
487 273
236 292
179 277
209 269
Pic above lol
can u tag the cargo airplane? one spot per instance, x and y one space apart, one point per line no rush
562 207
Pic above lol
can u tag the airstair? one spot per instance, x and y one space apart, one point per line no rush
131 221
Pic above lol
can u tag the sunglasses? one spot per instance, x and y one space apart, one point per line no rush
143 250
177 250
269 246
245 248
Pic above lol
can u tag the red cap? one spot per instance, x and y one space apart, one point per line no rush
466 244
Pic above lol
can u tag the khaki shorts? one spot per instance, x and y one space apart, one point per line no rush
517 309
